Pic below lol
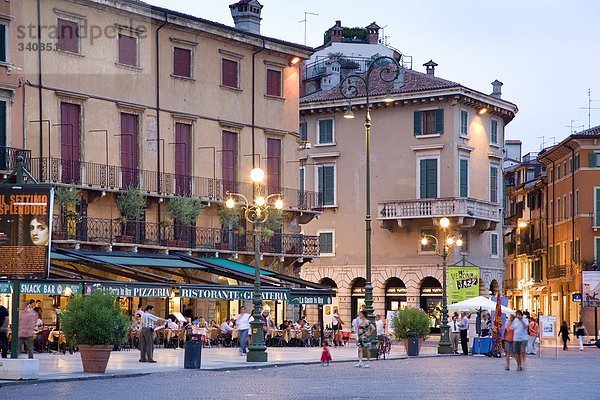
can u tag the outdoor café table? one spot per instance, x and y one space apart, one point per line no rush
482 345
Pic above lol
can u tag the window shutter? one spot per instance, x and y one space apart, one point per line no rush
273 83
329 188
432 178
464 178
597 209
418 130
2 42
593 160
68 36
230 73
439 121
127 50
182 59
326 131
423 179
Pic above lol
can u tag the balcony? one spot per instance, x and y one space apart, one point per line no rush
525 248
9 155
106 231
470 213
116 178
557 271
540 245
510 284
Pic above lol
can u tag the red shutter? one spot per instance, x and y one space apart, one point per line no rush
182 159
127 50
229 157
68 35
230 73
182 62
129 150
69 142
274 83
274 165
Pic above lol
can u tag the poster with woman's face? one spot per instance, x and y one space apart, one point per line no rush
25 230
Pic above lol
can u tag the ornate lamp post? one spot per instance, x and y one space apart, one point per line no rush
442 250
257 213
388 70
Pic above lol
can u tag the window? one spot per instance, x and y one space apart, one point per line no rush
558 210
430 246
570 209
229 161
576 205
183 134
302 179
597 206
565 168
576 251
564 253
128 50
273 165
558 173
564 210
429 122
3 44
70 115
325 131
182 62
303 132
594 160
428 178
464 177
229 73
273 82
576 162
551 212
68 35
571 165
464 122
494 244
494 132
552 175
494 184
597 249
550 256
326 184
557 254
129 149
326 243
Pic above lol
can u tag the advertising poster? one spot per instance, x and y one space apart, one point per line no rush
389 328
463 283
25 228
591 288
547 323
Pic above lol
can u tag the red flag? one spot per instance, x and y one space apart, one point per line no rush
497 329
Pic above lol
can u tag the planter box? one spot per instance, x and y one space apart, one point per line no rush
124 239
95 358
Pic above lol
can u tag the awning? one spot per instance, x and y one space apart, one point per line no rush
236 266
224 292
142 261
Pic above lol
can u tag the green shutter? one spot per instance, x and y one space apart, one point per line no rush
439 121
303 134
464 178
423 179
2 42
597 250
432 178
592 159
326 184
550 256
597 208
418 123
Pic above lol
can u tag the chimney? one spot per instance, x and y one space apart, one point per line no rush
430 67
373 33
336 32
246 15
497 89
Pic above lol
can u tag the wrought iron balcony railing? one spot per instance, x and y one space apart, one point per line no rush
111 231
9 155
557 271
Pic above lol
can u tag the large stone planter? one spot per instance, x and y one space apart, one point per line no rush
95 358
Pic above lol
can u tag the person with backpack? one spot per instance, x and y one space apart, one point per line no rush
534 329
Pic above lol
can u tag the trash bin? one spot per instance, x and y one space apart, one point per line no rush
413 345
193 352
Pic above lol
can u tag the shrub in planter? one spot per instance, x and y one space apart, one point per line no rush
185 209
67 198
410 321
96 325
131 204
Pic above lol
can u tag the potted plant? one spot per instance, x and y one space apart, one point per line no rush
96 325
131 204
67 198
185 210
408 322
268 229
230 224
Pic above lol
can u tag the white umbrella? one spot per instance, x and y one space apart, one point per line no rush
477 303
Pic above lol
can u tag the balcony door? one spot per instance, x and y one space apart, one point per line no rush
182 159
229 162
273 166
428 178
129 150
69 142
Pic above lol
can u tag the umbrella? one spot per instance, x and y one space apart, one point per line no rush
477 303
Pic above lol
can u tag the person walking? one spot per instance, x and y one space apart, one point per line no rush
454 333
336 327
508 341
27 323
564 334
534 329
464 329
4 330
520 327
325 355
365 331
243 324
580 331
148 322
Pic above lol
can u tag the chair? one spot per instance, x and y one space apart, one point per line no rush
214 337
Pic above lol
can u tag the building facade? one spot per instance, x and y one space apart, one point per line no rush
436 151
119 95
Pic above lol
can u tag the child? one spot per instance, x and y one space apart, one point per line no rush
325 356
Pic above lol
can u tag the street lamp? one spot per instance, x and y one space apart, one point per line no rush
442 250
257 214
388 69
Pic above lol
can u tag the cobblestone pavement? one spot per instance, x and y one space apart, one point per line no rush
571 375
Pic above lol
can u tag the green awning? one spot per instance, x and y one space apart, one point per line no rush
141 261
236 266
61 257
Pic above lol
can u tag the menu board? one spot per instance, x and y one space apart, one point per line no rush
25 230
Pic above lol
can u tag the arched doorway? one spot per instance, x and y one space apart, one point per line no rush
431 301
358 296
494 287
395 295
327 311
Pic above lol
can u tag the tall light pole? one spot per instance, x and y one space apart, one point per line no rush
442 250
257 214
388 69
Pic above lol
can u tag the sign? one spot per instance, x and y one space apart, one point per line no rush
51 289
232 293
5 288
432 291
396 291
463 283
577 297
591 288
309 299
25 228
547 323
149 292
389 328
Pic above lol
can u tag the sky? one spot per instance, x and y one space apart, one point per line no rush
546 52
